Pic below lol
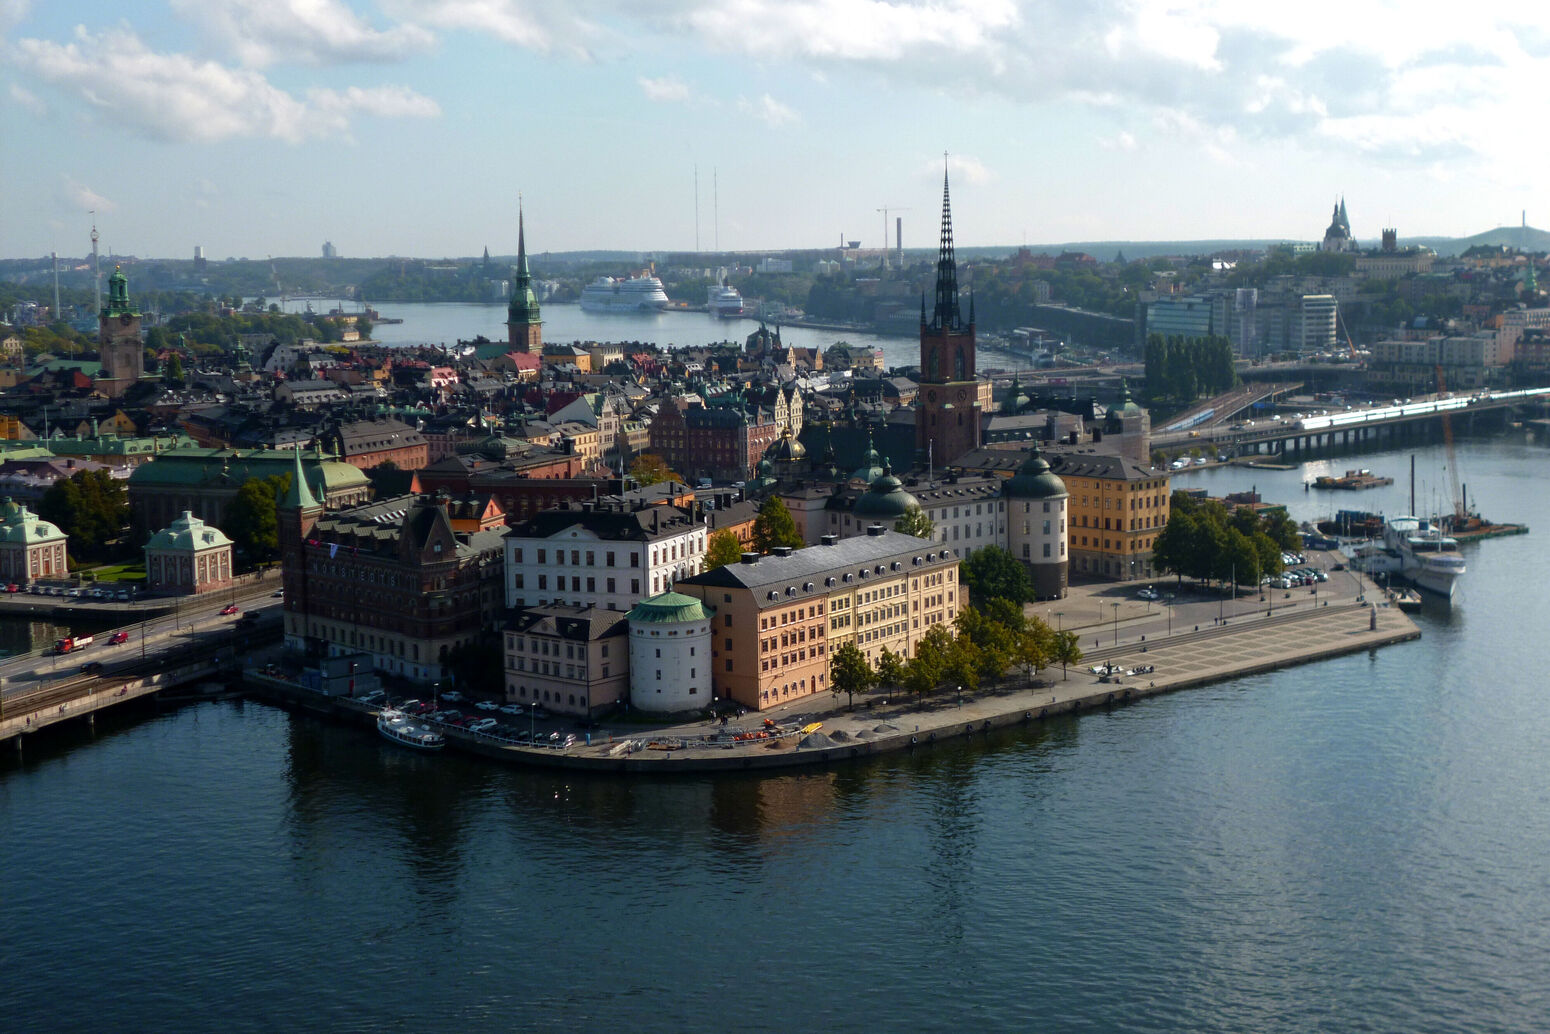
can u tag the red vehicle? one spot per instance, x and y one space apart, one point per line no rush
229 609
13 587
70 644
118 638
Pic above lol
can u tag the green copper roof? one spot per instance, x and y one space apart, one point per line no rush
1034 480
524 303
299 496
886 498
118 296
189 534
670 608
872 467
24 527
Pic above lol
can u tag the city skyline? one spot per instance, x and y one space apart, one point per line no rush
408 127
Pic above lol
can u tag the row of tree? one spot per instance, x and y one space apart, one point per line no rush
1181 369
987 645
1204 540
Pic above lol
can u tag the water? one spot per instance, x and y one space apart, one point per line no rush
443 323
1357 845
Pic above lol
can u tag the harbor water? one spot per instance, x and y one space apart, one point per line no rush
1357 845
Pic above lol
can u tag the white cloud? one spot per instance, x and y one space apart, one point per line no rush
177 97
1121 141
79 195
769 111
27 100
667 88
961 168
533 24
263 32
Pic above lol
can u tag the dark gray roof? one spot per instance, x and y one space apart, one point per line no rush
620 524
567 622
803 573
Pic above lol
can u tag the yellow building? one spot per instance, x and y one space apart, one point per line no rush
1116 511
779 618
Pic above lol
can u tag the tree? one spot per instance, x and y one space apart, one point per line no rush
1066 651
251 521
721 549
925 671
89 506
363 327
890 669
174 369
649 468
991 572
916 523
775 527
849 673
379 476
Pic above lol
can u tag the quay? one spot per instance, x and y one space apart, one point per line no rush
1306 629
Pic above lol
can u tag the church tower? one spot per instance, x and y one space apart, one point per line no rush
524 328
947 410
118 340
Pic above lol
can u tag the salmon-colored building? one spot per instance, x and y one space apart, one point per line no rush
779 618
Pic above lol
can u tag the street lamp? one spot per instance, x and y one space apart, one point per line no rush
1169 598
1116 622
1060 625
960 696
532 716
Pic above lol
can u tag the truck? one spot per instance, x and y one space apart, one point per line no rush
72 643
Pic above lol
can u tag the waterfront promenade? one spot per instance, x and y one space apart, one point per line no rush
1196 641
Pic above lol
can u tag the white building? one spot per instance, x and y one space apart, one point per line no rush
670 653
602 554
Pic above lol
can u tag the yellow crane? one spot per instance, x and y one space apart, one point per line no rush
1460 510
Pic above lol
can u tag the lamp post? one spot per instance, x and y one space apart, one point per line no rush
1116 622
1060 625
1169 599
960 696
532 716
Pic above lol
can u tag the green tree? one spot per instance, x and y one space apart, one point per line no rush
721 549
89 506
363 327
1066 651
916 523
174 370
925 671
991 572
649 468
849 673
890 669
775 527
251 521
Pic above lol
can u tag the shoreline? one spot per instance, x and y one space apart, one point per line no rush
1243 647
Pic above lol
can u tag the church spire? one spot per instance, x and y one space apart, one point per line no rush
946 315
522 315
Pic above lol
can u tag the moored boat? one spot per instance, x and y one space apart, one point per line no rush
400 728
641 293
1428 558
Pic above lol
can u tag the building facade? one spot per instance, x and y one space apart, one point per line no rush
670 653
118 340
30 547
188 557
1116 510
571 660
778 618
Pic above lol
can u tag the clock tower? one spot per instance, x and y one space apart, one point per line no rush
118 340
947 409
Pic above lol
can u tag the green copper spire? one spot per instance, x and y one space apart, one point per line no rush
118 295
523 309
298 496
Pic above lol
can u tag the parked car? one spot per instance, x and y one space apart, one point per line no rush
13 587
511 709
482 725
375 696
452 696
487 705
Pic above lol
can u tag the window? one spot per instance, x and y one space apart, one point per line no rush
543 581
610 585
541 557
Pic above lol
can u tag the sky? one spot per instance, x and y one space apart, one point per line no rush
412 127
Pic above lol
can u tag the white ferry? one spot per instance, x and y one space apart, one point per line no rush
400 728
724 301
641 293
1428 558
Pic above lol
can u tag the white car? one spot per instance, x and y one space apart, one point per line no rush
452 696
512 709
482 725
487 705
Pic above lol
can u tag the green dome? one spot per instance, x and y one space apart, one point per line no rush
188 534
1014 400
886 498
1126 407
24 527
669 608
1034 480
872 468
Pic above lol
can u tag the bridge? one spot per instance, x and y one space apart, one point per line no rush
42 689
1375 425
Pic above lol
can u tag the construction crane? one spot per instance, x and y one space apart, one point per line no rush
277 286
1350 345
885 210
1460 510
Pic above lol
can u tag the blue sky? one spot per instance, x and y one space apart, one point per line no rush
409 127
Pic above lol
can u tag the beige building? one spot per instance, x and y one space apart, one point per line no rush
30 547
572 660
188 556
779 618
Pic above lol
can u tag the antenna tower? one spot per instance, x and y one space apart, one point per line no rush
96 270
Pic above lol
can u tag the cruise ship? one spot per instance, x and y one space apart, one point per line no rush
641 293
723 301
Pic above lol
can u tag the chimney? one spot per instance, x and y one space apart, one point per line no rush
781 551
875 530
750 558
828 540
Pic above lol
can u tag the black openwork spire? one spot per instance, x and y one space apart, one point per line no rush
945 316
